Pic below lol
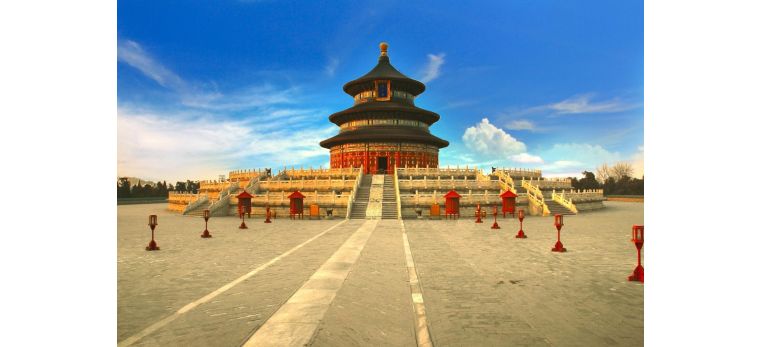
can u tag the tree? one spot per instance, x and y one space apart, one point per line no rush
621 170
587 182
603 173
123 188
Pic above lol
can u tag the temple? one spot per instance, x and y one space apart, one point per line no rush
385 164
384 129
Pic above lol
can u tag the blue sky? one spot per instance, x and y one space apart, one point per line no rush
205 87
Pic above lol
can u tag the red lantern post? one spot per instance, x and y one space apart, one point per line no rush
206 233
152 222
267 215
243 223
521 234
637 239
494 212
478 213
559 223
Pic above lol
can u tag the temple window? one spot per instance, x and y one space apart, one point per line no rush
383 90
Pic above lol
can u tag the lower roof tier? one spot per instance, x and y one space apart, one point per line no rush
384 134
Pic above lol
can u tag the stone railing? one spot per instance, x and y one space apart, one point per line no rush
470 198
505 181
535 196
482 177
214 189
584 194
397 194
253 185
564 201
202 199
220 206
438 171
517 172
177 201
311 184
281 199
351 200
550 183
246 175
349 172
451 182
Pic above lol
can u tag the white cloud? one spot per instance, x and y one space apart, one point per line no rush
490 141
208 132
578 104
131 53
526 158
431 71
197 95
582 104
520 124
178 147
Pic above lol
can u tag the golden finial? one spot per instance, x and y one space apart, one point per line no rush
384 46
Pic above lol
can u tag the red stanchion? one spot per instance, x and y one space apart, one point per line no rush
267 215
559 223
243 223
152 222
206 233
637 239
494 212
521 234
478 213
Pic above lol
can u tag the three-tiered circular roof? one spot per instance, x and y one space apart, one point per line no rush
387 109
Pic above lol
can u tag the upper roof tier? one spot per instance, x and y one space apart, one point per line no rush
384 71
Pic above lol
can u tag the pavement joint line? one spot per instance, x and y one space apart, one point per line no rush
295 322
422 334
166 320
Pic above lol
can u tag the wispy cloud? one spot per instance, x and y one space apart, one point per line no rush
131 53
583 104
196 146
433 67
209 132
520 124
578 104
199 95
330 68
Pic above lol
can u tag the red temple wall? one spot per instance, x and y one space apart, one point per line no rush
356 155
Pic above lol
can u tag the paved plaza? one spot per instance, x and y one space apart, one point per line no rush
349 282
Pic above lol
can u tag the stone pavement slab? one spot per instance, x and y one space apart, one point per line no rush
485 287
373 307
295 323
481 287
154 285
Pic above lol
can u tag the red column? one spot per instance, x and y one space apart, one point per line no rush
367 167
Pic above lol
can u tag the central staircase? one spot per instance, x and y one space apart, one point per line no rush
360 205
556 208
198 211
389 203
